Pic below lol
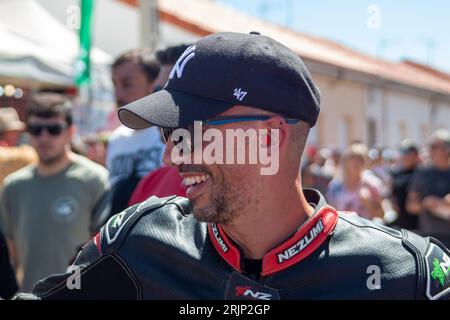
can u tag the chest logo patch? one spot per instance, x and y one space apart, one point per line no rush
239 287
65 208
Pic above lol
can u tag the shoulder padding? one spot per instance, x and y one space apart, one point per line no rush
414 242
433 265
437 260
183 205
417 245
118 226
355 220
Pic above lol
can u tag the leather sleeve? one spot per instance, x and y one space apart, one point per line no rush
92 276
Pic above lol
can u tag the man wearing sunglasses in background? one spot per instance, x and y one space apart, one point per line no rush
45 209
241 234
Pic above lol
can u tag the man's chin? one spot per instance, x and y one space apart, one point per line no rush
202 210
209 214
49 160
197 207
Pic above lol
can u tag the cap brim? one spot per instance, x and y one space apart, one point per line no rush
170 109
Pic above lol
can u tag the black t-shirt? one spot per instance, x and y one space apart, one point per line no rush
8 284
430 181
400 181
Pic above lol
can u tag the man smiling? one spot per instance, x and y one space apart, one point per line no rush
228 146
240 234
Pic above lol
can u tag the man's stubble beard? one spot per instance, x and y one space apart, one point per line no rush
218 208
227 203
52 160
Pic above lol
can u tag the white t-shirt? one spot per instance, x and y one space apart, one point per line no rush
128 150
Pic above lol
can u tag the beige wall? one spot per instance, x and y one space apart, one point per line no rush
408 116
347 108
441 117
401 115
342 112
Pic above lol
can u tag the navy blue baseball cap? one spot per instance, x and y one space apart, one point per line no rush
226 69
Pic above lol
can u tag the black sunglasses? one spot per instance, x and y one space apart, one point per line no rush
52 129
167 132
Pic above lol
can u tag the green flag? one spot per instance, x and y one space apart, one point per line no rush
83 64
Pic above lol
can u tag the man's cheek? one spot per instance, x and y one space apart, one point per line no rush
233 174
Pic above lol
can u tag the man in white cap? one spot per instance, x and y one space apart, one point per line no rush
12 157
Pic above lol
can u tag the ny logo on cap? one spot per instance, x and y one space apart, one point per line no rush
181 62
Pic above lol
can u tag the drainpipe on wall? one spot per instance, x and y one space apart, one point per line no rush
149 23
433 113
384 120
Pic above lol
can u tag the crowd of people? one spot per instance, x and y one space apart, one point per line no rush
407 187
53 199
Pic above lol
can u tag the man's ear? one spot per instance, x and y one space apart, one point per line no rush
279 124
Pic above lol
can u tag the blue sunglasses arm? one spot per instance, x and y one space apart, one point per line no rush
225 121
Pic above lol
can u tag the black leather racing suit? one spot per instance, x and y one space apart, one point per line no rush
157 250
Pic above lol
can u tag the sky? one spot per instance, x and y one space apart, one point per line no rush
394 30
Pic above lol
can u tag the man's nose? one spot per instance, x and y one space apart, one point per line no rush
45 135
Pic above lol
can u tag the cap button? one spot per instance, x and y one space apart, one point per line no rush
255 32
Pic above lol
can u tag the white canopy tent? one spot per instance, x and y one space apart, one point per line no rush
36 49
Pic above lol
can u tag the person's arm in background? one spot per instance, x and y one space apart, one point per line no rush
439 207
8 283
101 190
416 189
371 199
419 202
6 228
12 252
330 194
394 198
99 186
414 203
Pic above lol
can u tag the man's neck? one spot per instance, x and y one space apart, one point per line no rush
265 227
55 167
352 182
442 166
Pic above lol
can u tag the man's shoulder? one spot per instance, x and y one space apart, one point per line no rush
401 254
154 219
124 137
362 236
20 176
426 169
399 174
150 137
371 234
121 131
89 168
